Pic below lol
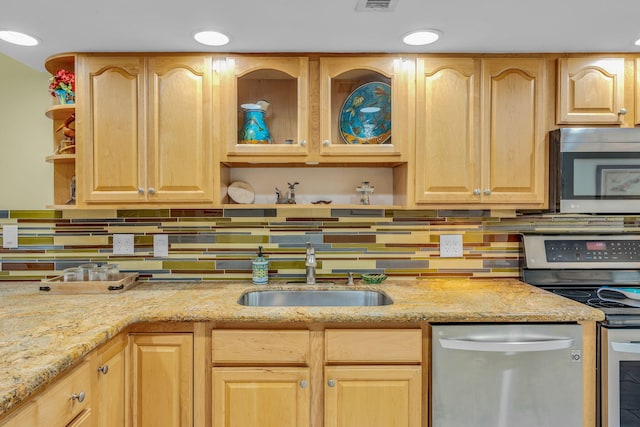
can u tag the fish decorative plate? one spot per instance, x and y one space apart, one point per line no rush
365 117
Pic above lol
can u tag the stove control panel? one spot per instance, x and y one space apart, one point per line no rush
582 251
592 250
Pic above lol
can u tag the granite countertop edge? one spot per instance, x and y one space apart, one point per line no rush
43 335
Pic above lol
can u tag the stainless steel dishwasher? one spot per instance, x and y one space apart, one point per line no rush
506 375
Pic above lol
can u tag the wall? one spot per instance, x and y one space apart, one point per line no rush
25 137
219 244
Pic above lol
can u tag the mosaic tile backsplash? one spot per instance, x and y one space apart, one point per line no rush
219 244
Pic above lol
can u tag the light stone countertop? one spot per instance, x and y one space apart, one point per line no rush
41 335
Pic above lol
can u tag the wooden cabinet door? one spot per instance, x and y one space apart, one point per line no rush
339 77
111 383
513 132
162 379
373 396
265 397
180 142
590 90
447 130
111 133
281 81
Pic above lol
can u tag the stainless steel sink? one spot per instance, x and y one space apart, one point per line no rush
314 298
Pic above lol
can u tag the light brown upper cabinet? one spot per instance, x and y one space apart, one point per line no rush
145 129
349 87
480 131
315 112
590 90
281 81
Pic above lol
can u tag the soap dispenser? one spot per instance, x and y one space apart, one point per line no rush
260 267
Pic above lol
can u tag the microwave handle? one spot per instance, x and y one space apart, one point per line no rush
626 347
506 346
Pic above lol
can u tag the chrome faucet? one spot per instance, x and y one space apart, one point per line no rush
310 264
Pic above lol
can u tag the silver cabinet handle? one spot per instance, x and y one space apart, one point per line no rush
79 397
622 111
303 143
476 191
331 383
303 384
326 143
140 190
104 369
487 191
151 190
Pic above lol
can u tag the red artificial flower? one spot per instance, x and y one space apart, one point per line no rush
62 80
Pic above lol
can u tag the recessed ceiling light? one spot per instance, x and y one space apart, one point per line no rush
18 38
211 38
422 37
637 42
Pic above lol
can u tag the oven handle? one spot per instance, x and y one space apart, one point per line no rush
506 346
625 347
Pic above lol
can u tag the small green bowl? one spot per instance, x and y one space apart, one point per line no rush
373 279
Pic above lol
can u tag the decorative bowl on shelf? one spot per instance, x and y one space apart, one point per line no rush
373 279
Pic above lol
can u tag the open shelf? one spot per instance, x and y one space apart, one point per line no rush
60 111
64 61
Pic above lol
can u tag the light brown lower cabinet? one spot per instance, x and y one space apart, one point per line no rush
265 378
274 378
111 384
372 396
265 397
161 379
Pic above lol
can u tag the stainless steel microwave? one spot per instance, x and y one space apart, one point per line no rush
595 170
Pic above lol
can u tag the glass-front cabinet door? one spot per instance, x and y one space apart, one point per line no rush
366 109
264 103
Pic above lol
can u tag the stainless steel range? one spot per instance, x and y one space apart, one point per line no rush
602 271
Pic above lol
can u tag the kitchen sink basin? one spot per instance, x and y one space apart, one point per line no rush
314 298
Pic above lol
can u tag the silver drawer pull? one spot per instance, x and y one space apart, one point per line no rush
303 384
79 397
104 369
331 383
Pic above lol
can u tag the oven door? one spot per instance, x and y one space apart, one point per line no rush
620 377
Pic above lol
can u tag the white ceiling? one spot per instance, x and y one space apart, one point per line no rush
473 26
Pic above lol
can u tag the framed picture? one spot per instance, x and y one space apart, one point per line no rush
618 180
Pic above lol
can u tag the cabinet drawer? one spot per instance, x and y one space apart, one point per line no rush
55 407
260 347
373 346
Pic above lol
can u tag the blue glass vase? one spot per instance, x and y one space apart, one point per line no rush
254 130
64 97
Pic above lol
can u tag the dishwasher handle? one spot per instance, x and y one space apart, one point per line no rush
506 346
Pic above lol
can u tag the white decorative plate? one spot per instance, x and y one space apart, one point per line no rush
241 192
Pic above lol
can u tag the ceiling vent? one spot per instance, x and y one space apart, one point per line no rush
376 5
